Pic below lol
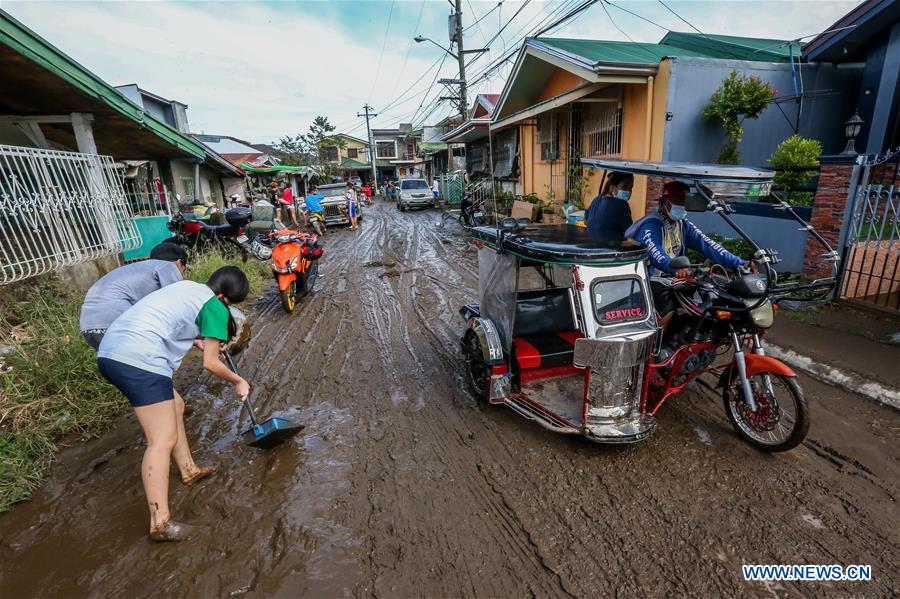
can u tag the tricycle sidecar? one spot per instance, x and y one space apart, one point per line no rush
550 287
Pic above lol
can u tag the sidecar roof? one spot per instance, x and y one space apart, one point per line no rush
563 244
684 171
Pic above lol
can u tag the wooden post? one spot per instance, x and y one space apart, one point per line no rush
197 192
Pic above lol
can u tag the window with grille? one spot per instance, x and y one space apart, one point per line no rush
385 149
548 135
352 152
602 129
187 184
410 150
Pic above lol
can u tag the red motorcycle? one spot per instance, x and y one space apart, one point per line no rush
199 234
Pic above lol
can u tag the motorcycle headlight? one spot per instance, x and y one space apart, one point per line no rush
763 316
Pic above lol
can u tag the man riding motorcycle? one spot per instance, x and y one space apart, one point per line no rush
315 213
668 234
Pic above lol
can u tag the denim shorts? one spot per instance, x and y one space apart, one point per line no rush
141 387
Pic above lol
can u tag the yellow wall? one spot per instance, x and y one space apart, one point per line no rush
643 123
560 82
351 143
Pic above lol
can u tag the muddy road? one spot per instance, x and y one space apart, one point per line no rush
402 486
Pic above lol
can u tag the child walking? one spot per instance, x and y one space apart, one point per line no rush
352 206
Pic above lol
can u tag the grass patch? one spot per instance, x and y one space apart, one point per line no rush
203 265
51 387
49 384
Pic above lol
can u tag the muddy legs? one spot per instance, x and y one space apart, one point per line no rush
161 431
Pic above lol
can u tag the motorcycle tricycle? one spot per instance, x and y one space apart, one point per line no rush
566 333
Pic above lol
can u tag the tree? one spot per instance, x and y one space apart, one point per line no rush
292 151
738 98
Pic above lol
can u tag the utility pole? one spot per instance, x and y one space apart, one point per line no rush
369 115
461 56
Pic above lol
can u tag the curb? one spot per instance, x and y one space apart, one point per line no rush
826 373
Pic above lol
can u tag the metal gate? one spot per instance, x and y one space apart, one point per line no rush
58 209
871 255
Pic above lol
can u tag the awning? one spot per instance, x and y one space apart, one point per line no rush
301 171
469 131
430 147
548 104
349 164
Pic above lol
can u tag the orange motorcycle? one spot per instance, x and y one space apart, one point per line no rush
294 264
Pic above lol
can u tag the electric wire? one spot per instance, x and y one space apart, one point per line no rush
387 30
408 49
480 30
685 21
482 17
609 16
634 14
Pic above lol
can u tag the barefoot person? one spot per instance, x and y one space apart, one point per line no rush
352 205
139 354
119 289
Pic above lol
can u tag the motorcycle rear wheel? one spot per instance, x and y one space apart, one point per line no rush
781 419
289 298
309 279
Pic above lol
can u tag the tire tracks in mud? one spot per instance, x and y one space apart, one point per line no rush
402 485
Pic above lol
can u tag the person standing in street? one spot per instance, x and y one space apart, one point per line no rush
286 202
436 189
139 355
119 289
352 205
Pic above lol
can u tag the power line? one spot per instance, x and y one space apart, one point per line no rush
685 21
483 36
634 14
408 49
496 35
387 30
482 16
609 16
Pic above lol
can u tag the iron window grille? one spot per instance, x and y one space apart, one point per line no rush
59 209
602 129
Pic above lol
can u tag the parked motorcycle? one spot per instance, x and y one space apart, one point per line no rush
295 264
198 234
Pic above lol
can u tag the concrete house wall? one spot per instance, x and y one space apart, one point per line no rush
691 138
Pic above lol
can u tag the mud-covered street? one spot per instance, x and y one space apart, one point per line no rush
401 485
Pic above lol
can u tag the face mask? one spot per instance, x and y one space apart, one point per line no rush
623 194
677 212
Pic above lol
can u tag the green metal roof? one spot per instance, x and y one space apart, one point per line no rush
305 171
730 46
349 163
674 44
26 42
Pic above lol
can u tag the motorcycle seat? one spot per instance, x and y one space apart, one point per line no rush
209 227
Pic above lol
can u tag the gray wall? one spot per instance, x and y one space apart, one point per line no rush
768 227
691 138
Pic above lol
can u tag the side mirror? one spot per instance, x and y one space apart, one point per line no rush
680 262
695 203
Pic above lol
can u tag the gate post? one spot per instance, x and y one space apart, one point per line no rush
831 208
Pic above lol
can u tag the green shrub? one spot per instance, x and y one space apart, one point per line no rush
736 245
204 264
50 384
738 98
791 155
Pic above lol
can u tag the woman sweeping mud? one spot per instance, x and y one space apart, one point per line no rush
139 354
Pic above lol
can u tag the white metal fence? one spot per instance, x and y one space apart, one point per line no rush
58 209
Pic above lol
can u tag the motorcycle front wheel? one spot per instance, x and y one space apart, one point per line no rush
289 298
781 419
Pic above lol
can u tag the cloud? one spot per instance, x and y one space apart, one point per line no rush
259 71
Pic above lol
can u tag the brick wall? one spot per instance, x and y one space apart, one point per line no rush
827 216
654 190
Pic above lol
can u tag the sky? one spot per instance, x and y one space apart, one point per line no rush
261 70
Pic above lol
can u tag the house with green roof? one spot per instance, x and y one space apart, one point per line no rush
572 98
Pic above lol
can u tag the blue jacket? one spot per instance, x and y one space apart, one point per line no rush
608 216
313 202
649 231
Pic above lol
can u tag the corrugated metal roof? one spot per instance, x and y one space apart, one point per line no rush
672 45
26 42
